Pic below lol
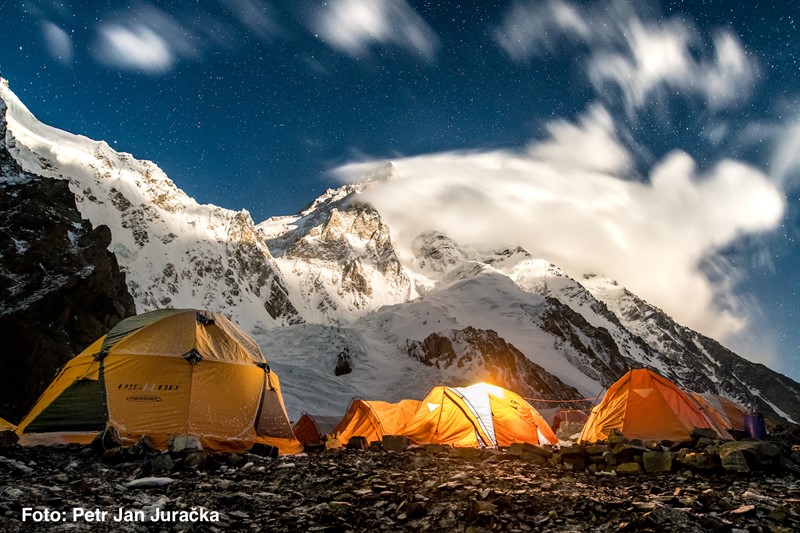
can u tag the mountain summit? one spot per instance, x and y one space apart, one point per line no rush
342 309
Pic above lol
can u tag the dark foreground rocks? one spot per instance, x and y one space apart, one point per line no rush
430 488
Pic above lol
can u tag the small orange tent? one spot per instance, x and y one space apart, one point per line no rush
166 373
478 415
311 428
730 412
644 405
374 419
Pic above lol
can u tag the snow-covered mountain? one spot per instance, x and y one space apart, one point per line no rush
341 309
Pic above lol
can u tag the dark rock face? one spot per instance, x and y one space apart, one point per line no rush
60 287
483 354
343 362
602 359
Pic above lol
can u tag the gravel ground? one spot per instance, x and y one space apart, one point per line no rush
347 490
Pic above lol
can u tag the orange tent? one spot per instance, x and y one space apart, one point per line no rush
478 415
644 405
572 416
166 373
311 428
374 419
729 412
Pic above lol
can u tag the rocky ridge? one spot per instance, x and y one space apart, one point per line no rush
60 287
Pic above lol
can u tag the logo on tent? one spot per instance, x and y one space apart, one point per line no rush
433 406
144 398
644 393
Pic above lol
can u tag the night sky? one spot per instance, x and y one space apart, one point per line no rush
249 104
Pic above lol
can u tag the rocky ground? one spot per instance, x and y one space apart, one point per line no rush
429 488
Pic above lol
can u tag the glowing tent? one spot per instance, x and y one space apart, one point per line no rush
644 405
374 419
311 428
164 373
478 415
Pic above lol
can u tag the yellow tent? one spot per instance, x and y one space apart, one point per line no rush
164 373
374 419
5 425
478 415
644 405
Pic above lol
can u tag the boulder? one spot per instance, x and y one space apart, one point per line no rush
8 438
472 454
657 462
395 443
357 443
697 460
733 460
707 433
530 452
628 469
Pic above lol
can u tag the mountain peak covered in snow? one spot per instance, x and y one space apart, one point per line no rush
343 305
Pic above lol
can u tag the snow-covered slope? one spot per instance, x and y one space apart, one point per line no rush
341 308
174 251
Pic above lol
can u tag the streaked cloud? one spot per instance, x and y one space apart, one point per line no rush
352 26
133 48
785 157
255 15
581 211
622 51
58 42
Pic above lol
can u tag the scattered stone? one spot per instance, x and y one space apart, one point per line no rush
197 460
158 464
106 440
184 443
143 446
146 482
418 489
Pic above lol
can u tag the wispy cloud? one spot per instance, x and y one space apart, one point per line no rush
785 159
352 26
625 52
149 39
133 48
58 42
255 15
568 199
